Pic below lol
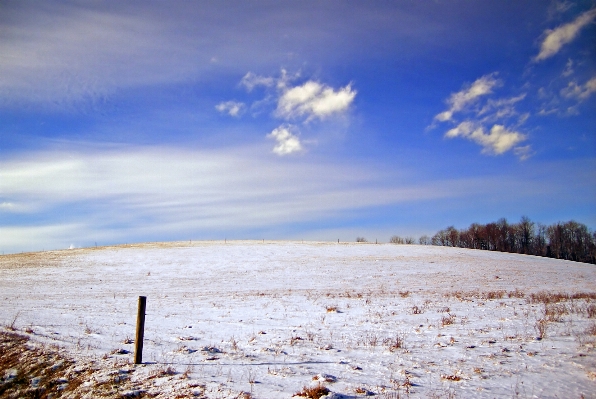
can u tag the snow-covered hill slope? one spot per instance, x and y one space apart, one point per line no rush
269 318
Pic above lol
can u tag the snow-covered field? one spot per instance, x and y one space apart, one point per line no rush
268 318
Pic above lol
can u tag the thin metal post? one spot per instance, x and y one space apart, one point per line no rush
140 330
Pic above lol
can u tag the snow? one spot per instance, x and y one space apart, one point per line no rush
272 317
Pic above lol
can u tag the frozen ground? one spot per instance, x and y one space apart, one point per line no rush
269 318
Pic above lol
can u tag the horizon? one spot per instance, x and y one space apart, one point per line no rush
401 240
153 122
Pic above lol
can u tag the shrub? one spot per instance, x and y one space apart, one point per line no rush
361 239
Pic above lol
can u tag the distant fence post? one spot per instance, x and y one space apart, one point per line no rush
140 330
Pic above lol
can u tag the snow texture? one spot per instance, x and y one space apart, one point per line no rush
270 318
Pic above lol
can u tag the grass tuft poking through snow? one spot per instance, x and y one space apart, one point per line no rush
313 392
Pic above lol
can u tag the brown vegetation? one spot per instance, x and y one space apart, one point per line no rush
569 240
313 392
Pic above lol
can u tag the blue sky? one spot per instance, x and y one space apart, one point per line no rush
152 121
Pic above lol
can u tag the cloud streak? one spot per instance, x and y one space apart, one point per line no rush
580 92
232 108
171 193
556 38
250 81
459 101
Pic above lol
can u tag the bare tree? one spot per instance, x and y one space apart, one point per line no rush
569 240
424 240
396 240
526 229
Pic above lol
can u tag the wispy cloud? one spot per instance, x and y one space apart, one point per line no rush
568 68
558 7
501 108
556 38
112 194
232 108
63 55
145 193
463 98
287 143
250 81
484 120
579 92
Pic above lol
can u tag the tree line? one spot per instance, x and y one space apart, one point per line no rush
563 240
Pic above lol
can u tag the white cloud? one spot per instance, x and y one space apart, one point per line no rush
250 81
460 100
498 141
314 100
501 108
556 38
6 206
568 68
287 143
305 102
232 108
523 153
558 7
580 92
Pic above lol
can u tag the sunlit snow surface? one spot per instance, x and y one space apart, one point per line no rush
268 317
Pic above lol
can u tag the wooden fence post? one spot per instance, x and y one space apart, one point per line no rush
140 330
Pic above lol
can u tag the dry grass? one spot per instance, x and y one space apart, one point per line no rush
313 392
12 325
541 327
493 295
591 310
554 312
395 343
548 297
447 320
584 295
417 310
28 372
451 377
32 370
516 294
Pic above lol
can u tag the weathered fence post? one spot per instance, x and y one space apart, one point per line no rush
140 330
